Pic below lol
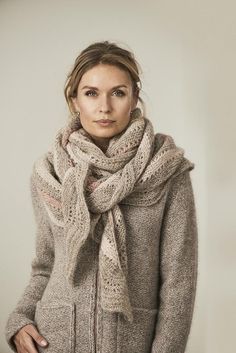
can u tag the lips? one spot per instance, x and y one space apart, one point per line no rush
105 121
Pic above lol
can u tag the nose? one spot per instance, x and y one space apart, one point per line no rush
105 105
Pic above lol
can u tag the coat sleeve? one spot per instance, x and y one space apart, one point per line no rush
41 267
178 268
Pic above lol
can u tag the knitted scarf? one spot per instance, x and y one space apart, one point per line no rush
81 187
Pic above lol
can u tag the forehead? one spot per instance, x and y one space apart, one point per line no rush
105 75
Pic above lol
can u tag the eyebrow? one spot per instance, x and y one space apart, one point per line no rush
95 88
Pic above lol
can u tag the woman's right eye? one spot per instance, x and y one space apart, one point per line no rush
88 93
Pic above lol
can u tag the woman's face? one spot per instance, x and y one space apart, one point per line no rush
104 92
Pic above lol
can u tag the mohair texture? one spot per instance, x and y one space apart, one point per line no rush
116 245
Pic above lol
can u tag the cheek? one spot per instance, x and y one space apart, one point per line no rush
86 108
126 112
122 106
126 104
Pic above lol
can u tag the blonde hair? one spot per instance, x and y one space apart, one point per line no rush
103 52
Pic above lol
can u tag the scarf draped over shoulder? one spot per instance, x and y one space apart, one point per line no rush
81 187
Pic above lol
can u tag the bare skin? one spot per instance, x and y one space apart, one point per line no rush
27 338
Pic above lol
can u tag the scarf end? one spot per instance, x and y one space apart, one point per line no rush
126 312
129 317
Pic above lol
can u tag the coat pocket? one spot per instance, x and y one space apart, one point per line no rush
55 322
136 337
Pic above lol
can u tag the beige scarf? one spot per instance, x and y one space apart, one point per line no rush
82 187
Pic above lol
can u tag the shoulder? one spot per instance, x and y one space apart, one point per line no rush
166 147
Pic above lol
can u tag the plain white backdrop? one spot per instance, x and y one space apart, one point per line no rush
187 51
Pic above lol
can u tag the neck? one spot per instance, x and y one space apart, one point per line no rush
102 143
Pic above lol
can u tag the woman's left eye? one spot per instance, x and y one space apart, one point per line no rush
121 93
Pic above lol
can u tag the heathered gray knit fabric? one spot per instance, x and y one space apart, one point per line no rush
160 245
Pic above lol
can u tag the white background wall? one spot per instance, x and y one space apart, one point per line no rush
187 53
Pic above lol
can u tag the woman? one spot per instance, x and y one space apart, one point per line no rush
116 245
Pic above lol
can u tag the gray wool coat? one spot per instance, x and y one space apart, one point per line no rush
162 249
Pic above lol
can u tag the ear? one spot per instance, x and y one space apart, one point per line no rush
75 104
134 103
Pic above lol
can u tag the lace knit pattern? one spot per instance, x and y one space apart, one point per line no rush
81 188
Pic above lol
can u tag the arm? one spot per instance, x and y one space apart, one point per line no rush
41 267
178 268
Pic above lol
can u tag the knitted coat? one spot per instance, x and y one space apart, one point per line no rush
162 249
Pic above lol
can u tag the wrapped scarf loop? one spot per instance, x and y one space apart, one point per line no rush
81 188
